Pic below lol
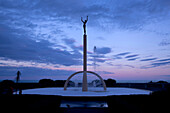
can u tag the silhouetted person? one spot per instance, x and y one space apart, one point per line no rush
18 76
84 24
17 79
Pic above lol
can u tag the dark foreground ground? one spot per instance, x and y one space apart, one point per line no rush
158 102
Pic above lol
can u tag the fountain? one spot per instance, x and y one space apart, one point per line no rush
84 85
85 97
85 91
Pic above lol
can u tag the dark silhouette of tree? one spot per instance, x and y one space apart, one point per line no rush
6 87
110 82
150 82
46 83
71 84
60 83
161 81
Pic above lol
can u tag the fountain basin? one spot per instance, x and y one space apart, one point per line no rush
93 92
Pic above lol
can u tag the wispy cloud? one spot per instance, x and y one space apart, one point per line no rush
160 64
132 59
156 64
148 59
105 72
164 42
131 66
120 55
162 60
131 56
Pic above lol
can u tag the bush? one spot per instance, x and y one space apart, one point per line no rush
6 87
110 82
46 83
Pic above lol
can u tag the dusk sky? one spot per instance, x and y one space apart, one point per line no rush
43 38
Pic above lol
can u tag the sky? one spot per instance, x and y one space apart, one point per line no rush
43 38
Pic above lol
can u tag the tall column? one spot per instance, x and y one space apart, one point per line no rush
84 52
84 85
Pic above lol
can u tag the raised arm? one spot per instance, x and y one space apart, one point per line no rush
87 18
82 19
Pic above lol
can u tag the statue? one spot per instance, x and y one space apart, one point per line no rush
84 24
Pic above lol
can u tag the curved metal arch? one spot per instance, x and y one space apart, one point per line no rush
66 83
104 85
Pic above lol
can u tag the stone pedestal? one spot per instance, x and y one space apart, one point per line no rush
84 84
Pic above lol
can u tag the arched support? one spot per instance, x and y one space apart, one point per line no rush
104 85
66 83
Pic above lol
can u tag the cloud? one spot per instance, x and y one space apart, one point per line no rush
157 63
149 59
31 31
130 66
22 48
131 56
103 50
162 60
105 72
164 42
100 60
132 59
124 14
69 41
120 55
100 38
100 55
117 57
15 63
123 55
160 64
120 65
135 14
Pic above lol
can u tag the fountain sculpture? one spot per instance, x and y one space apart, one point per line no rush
85 84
